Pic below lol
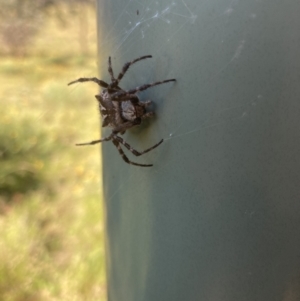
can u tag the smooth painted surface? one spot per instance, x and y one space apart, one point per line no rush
218 216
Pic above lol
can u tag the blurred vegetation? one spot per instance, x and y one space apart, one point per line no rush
51 215
23 149
22 20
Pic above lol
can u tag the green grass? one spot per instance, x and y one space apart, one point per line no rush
51 215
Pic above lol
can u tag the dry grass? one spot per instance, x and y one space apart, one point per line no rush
51 244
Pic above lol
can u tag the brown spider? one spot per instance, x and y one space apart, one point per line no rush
121 109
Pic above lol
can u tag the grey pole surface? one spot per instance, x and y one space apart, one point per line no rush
217 218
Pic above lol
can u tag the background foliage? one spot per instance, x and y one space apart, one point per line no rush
22 20
51 244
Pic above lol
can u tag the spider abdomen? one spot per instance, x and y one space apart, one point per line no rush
130 111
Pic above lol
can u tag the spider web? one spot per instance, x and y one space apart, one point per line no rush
216 106
138 20
132 24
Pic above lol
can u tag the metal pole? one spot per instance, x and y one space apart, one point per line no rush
217 217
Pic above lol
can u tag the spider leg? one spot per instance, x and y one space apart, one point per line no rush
124 157
148 115
125 97
100 82
96 141
125 126
110 70
146 103
135 152
120 94
133 98
127 65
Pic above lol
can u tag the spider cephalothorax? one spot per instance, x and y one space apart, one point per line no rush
121 109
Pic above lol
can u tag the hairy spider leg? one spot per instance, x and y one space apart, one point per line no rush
124 157
135 152
146 103
100 82
126 97
96 141
110 70
127 65
148 115
122 128
116 143
121 94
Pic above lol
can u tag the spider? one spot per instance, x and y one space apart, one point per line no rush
122 109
